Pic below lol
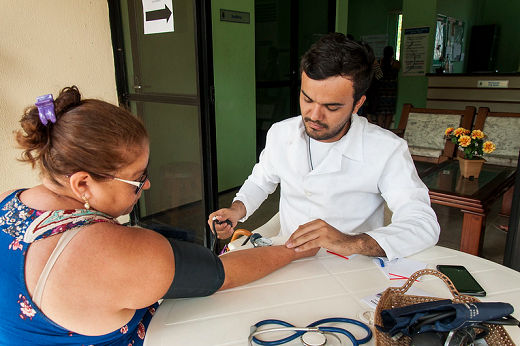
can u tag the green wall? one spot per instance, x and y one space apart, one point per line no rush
413 89
373 17
342 16
235 101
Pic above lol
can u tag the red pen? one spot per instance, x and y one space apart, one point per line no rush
337 254
399 277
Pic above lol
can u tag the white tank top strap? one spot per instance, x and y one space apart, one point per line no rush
62 243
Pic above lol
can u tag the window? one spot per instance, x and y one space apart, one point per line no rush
448 40
399 30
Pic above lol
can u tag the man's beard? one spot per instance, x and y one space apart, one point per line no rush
327 134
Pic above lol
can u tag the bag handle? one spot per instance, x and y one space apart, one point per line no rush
415 276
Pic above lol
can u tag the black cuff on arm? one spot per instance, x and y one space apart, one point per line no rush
198 271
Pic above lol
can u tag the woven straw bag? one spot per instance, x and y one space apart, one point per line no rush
395 297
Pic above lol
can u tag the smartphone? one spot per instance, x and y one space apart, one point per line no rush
464 282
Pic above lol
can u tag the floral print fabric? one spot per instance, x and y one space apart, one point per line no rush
21 321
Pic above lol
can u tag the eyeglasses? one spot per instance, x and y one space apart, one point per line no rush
138 184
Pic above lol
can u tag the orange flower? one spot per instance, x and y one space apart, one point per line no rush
477 134
464 141
488 147
459 131
448 131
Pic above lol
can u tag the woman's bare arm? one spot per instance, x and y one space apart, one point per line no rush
245 266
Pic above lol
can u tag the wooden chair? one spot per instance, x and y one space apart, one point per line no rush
503 129
423 129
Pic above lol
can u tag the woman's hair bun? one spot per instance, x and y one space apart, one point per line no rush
36 137
69 97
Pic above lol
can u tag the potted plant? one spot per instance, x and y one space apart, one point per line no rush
473 146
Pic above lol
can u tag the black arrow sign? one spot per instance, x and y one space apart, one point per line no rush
159 14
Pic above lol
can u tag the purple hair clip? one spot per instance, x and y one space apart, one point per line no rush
45 106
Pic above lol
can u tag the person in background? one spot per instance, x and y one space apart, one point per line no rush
387 88
372 94
336 170
70 273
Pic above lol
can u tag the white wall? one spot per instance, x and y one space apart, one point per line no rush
45 46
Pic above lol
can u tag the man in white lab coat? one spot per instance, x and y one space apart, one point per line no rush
335 169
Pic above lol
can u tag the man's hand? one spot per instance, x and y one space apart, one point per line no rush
318 233
306 253
233 214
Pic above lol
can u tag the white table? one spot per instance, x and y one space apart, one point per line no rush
311 289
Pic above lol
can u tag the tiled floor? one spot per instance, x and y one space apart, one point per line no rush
450 220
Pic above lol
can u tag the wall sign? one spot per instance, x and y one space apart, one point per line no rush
377 42
234 16
415 51
157 16
493 84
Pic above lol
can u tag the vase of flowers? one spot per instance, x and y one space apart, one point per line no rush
473 146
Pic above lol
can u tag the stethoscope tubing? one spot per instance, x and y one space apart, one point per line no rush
313 327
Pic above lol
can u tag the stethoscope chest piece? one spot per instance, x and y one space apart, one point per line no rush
313 339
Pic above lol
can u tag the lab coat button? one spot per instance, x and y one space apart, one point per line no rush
308 194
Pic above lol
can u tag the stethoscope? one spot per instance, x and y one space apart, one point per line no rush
312 335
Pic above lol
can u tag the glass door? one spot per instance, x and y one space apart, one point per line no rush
162 58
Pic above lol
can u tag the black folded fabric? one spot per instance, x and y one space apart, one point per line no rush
441 316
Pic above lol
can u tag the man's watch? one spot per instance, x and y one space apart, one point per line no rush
257 240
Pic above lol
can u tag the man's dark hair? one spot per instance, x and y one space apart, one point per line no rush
336 55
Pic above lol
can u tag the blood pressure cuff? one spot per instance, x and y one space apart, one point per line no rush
198 271
442 316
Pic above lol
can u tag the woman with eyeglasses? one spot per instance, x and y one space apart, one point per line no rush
70 273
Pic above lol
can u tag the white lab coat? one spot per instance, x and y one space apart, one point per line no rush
366 167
